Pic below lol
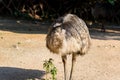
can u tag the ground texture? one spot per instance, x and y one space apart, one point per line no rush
23 51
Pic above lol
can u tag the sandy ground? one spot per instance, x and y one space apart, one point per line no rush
23 51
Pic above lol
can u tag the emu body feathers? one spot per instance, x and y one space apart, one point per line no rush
68 35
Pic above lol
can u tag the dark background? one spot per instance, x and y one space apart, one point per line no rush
51 9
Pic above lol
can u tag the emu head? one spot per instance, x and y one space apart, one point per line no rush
56 28
57 25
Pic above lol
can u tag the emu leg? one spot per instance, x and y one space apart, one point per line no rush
64 58
72 67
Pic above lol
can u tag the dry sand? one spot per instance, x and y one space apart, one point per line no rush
23 51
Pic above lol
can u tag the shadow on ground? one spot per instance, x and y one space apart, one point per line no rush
112 31
23 26
11 73
32 27
109 35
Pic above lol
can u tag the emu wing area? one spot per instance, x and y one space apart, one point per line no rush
77 34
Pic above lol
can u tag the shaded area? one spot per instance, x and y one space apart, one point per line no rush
36 27
23 26
11 73
110 34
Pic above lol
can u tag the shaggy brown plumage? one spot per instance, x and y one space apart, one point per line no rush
68 35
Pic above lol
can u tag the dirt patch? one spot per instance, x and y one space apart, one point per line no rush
23 50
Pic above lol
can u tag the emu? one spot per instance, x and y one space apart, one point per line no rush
68 35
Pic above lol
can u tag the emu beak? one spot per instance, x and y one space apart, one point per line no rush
57 24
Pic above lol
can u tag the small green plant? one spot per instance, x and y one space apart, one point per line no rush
50 68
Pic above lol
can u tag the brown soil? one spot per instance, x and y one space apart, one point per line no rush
23 51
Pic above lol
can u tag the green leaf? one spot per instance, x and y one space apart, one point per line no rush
111 2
